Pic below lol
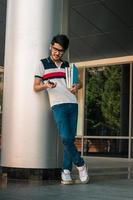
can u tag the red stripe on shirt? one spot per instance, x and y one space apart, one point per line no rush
54 74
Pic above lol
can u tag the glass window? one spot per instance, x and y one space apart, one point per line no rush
107 101
78 143
106 147
132 148
132 104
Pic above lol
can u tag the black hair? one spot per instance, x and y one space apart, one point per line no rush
61 40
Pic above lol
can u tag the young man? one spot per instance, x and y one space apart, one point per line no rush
51 76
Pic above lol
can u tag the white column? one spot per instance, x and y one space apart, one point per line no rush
29 136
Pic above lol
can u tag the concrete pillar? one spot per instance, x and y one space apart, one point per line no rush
29 135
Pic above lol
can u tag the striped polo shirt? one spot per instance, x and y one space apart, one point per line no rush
47 70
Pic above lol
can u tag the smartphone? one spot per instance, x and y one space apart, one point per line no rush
50 82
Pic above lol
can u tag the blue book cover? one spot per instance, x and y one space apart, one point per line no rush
71 75
75 75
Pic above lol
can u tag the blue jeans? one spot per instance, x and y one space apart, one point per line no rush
65 116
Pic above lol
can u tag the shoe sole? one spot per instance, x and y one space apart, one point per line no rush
77 181
67 182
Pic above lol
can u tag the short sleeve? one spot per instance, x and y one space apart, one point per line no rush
39 70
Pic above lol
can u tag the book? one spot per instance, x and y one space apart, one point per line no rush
71 75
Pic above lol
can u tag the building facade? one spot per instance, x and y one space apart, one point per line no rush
101 46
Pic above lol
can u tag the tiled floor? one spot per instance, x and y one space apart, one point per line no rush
110 180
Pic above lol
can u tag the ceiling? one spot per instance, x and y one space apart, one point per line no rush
100 29
97 29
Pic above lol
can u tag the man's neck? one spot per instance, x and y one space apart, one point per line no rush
58 63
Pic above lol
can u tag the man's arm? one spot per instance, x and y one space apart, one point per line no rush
77 86
39 85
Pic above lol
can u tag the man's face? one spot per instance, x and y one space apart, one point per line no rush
57 51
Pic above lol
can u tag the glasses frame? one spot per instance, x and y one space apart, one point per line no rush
60 51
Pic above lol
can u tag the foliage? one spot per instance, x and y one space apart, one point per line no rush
103 98
110 104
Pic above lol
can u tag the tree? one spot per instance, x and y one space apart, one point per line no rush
94 92
110 104
103 99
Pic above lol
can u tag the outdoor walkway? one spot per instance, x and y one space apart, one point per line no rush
109 180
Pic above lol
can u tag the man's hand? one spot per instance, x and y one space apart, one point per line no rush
74 88
39 85
50 84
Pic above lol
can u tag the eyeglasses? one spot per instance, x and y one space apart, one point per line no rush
60 51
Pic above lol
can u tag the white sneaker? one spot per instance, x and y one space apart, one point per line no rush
66 177
83 174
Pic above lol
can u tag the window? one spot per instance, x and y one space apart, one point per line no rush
104 107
